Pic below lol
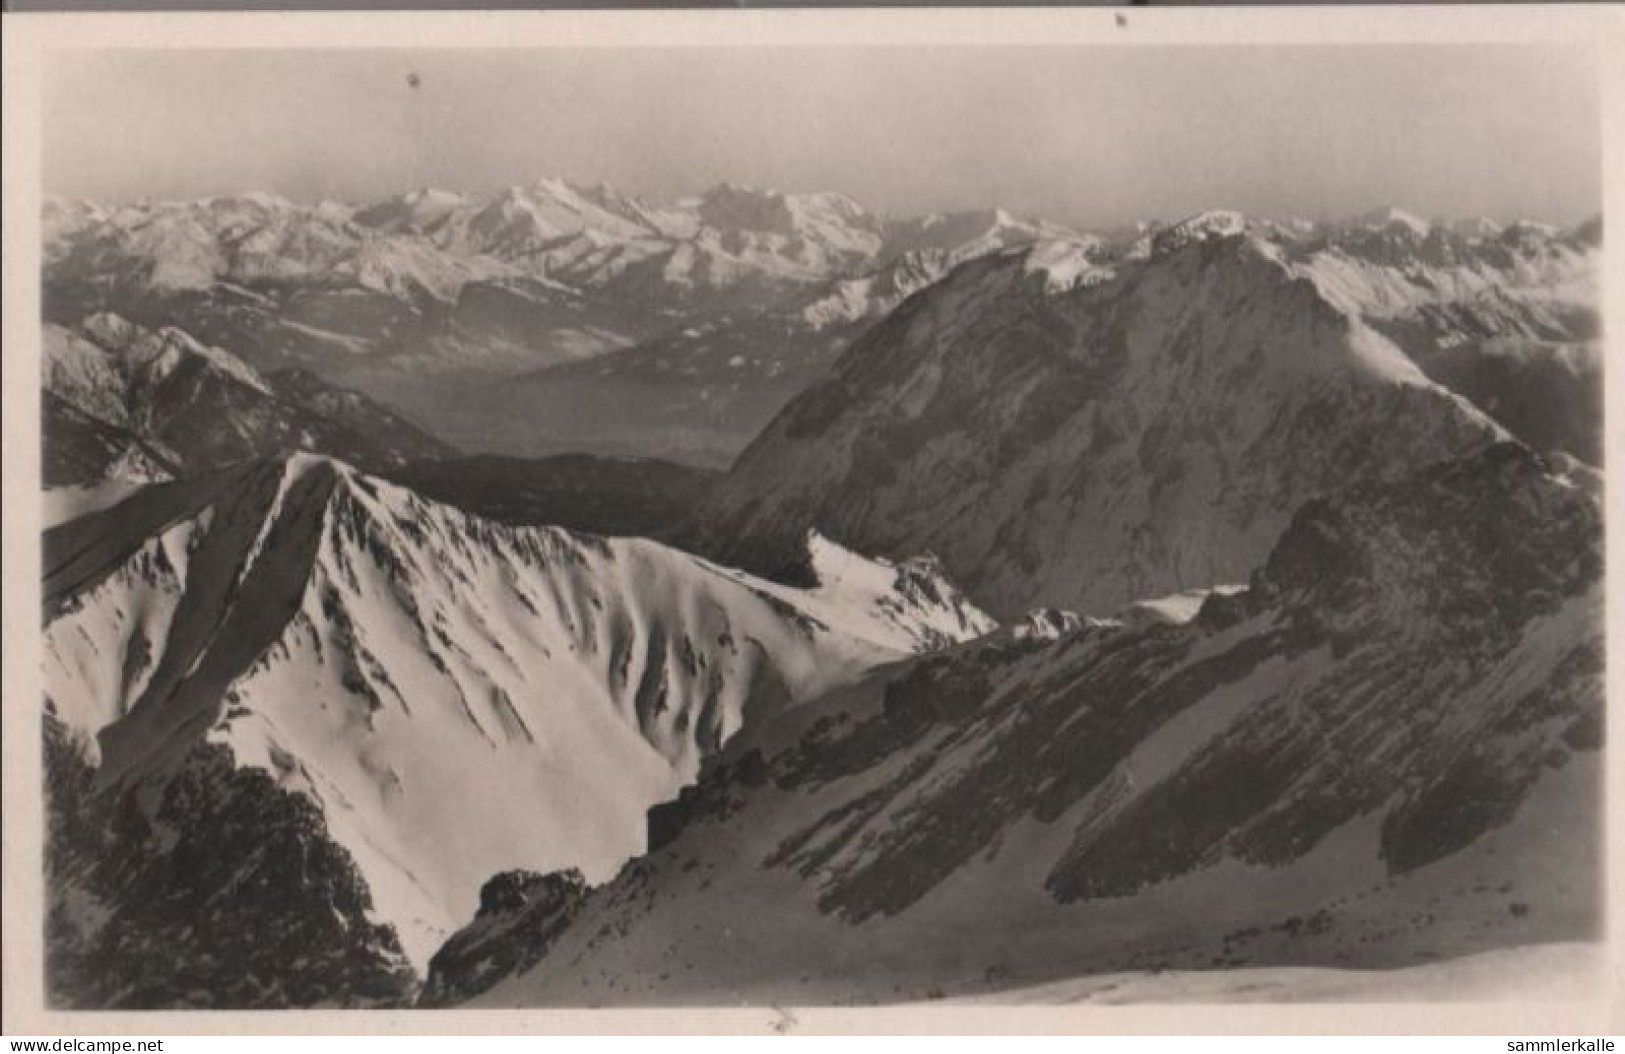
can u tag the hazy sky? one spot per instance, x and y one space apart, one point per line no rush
1091 136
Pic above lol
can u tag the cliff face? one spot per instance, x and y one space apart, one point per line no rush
1150 431
221 889
520 914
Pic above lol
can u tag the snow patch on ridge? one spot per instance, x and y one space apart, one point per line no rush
1067 265
1176 609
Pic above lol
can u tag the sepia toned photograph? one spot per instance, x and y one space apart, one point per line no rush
820 524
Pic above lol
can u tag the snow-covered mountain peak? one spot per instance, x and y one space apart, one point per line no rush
122 397
147 357
1006 415
1264 312
433 197
927 249
832 562
165 350
1047 624
520 222
401 664
336 213
1067 264
57 205
556 188
1214 223
975 232
833 222
915 594
300 465
872 295
84 374
1393 219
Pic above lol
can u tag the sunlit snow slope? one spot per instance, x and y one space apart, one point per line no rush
457 696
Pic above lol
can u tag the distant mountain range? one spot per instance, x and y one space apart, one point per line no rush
433 291
551 318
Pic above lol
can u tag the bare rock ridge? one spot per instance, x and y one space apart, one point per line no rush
1504 316
1374 754
122 400
1129 438
391 666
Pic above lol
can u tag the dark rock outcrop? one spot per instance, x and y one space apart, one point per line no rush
215 890
519 915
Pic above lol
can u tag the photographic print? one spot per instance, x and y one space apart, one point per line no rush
818 524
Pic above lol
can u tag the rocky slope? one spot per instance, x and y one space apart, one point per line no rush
122 400
520 915
399 672
219 888
79 451
1385 751
1505 316
1148 430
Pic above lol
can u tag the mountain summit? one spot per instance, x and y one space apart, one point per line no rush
1148 432
409 671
